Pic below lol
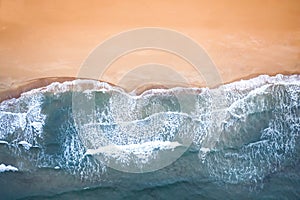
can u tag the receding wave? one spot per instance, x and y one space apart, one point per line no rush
240 132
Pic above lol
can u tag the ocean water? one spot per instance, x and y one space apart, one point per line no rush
89 140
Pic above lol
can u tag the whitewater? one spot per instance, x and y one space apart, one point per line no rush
240 140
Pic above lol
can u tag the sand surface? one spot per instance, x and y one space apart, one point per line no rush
41 39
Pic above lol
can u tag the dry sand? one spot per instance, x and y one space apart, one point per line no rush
41 39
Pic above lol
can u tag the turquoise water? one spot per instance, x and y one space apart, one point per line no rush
89 140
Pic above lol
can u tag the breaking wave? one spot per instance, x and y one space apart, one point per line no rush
241 132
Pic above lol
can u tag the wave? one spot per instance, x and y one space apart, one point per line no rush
242 131
6 168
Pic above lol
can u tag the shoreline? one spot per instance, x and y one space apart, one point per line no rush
18 88
52 39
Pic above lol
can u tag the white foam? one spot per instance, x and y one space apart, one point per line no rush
5 168
38 126
31 120
262 80
204 149
76 86
88 86
22 114
3 142
141 150
25 144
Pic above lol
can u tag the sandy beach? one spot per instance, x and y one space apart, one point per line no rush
40 39
213 113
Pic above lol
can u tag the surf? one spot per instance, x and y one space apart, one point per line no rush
243 137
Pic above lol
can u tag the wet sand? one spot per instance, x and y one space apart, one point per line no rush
40 39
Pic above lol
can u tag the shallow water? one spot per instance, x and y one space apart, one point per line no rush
83 139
